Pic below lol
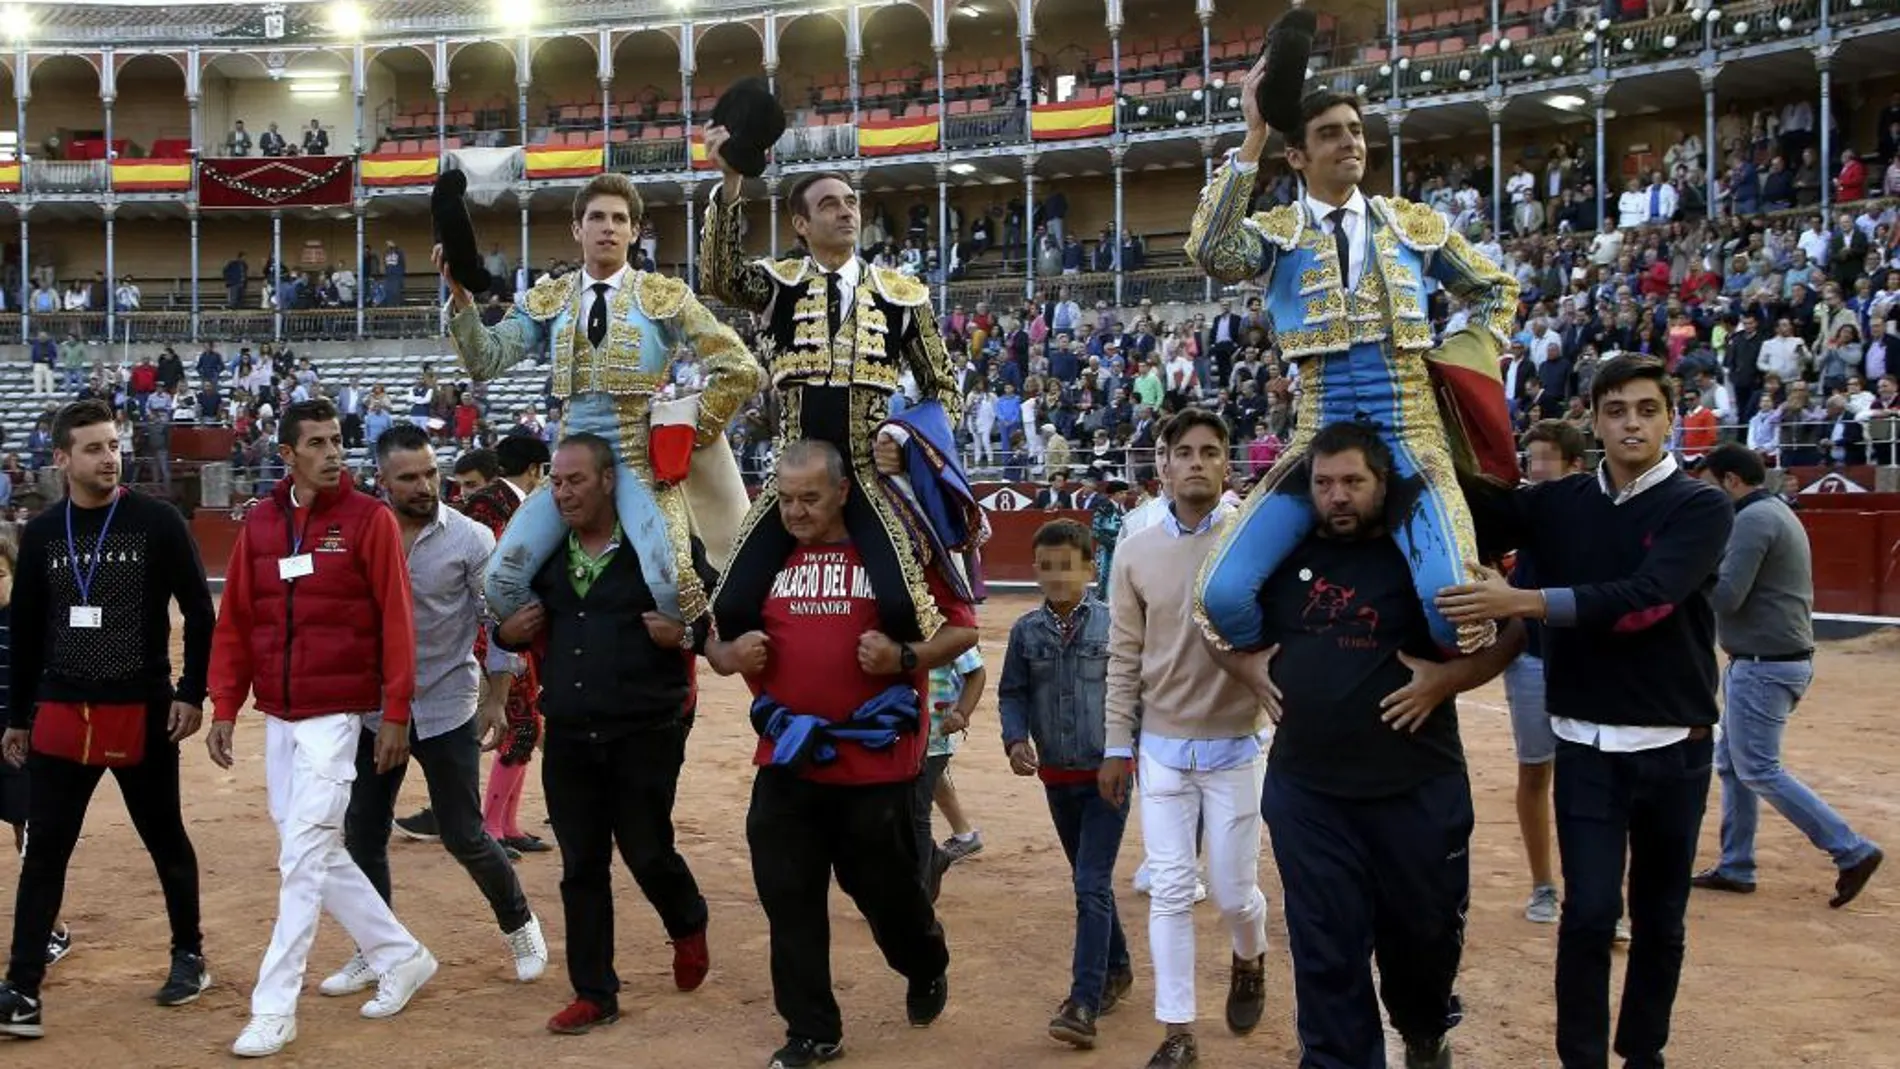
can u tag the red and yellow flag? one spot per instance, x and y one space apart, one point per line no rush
897 136
151 175
10 176
1073 119
564 161
399 168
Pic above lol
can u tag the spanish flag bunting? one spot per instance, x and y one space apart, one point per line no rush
897 136
700 162
399 168
151 175
10 176
564 161
1072 119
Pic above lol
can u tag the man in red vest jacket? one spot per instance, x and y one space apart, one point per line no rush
316 621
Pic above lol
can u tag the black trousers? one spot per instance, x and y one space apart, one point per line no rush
800 833
56 810
607 793
1385 878
451 763
1648 805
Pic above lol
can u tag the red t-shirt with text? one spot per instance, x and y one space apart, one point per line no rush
819 605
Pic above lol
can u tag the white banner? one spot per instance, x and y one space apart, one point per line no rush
491 172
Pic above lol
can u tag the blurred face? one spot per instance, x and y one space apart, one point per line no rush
93 461
830 220
317 457
1547 463
1633 421
409 478
1063 573
1335 152
583 492
605 230
1197 468
811 504
1348 496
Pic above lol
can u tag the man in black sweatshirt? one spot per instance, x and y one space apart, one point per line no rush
92 608
1627 560
614 688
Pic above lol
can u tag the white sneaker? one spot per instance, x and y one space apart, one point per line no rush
354 976
1200 891
267 1034
530 950
1143 881
396 987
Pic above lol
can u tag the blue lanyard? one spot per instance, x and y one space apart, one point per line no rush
72 551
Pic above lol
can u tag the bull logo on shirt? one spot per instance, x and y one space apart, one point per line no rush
1329 607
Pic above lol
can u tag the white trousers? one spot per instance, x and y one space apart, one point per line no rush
1173 802
308 768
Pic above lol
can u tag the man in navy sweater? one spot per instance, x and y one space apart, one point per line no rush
1627 561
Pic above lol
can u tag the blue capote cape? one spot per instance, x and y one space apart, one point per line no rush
801 738
945 505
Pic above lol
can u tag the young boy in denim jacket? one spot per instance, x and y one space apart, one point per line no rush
1053 699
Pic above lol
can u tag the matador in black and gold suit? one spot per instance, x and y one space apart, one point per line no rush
837 386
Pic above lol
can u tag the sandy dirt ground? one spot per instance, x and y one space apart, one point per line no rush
1773 980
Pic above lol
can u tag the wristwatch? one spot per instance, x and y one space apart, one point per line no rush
906 657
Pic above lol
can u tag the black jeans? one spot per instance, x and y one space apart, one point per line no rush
921 806
56 809
800 833
1649 805
1385 878
607 793
1090 830
451 763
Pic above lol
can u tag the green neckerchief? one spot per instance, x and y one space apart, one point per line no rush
583 569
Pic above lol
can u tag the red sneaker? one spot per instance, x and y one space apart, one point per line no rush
581 1017
691 960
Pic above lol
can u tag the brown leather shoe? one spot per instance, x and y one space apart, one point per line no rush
1178 1051
1851 881
1247 995
1075 1025
1120 982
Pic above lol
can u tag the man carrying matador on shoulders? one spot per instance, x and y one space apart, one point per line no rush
1343 275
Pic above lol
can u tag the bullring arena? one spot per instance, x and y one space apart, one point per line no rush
132 223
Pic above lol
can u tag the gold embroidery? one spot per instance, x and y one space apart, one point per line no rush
1332 337
788 272
1282 225
1419 227
868 411
548 296
724 269
1222 240
936 376
671 501
1327 306
898 288
1315 279
732 373
615 366
660 295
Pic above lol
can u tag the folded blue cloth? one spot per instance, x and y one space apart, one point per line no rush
800 738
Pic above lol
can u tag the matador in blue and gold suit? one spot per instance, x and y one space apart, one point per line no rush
1365 353
612 390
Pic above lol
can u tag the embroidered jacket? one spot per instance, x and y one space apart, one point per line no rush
889 327
1297 263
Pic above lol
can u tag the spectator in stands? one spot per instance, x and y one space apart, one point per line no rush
316 140
237 274
1777 187
171 370
395 267
43 354
77 298
143 382
72 361
238 142
350 405
127 297
271 143
208 404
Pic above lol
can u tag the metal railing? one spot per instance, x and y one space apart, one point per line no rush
983 128
67 176
817 143
662 154
1159 111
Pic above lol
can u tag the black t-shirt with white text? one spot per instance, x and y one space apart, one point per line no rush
1341 612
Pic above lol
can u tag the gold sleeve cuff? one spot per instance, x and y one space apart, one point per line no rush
1219 240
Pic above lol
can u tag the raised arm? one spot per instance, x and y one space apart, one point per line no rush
724 269
487 351
1222 240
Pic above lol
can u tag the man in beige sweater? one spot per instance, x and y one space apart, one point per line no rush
1198 729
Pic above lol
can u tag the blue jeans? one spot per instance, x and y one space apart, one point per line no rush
1091 833
1762 695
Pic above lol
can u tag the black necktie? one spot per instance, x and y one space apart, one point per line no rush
597 316
1338 218
834 302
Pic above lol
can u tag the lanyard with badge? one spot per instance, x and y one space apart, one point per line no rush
85 614
298 564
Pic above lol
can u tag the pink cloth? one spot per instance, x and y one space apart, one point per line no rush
501 808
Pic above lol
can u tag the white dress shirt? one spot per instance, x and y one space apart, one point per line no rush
1355 223
1623 738
588 282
